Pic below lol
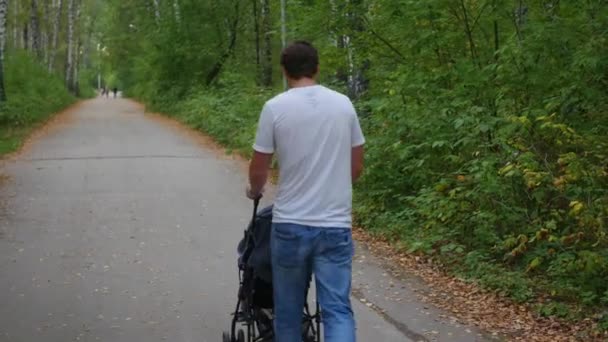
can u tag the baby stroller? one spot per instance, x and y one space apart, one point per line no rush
252 320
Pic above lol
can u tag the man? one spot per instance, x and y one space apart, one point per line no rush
316 135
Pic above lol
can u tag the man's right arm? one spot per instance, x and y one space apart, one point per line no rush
357 141
356 162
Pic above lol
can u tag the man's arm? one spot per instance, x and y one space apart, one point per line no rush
356 162
263 149
258 173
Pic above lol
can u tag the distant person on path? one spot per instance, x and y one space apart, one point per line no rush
316 135
115 91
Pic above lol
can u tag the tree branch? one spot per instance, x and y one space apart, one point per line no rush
385 41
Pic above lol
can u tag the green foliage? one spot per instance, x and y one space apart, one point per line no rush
486 122
497 149
87 81
33 95
554 309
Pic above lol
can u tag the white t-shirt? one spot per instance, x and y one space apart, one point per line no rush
312 131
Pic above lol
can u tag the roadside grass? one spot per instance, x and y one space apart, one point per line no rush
11 138
33 96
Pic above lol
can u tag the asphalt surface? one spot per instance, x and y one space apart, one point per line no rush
117 227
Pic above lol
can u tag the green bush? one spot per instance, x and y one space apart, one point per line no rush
32 96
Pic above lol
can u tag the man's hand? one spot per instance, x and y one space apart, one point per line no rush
253 195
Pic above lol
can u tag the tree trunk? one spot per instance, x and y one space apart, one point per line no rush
56 21
217 67
357 83
86 53
35 28
3 10
16 37
267 51
256 30
46 15
26 41
69 72
76 67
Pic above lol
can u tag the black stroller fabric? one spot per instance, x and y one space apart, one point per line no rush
254 255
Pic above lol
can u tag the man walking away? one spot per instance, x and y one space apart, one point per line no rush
316 135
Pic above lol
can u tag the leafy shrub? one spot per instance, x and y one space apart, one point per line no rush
33 94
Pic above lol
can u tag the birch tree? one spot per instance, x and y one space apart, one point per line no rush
3 12
16 33
45 30
58 8
256 31
34 29
69 72
266 78
78 45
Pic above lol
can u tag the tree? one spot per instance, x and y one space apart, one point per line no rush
256 30
57 8
267 66
232 32
3 12
34 29
70 65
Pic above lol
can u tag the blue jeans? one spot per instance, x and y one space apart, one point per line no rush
297 252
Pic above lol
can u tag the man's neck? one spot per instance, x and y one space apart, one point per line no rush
302 82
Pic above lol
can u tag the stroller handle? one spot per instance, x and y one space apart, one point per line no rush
256 204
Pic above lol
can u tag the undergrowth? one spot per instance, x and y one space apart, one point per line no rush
33 95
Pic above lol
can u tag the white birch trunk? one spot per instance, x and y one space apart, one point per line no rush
3 10
77 52
69 72
58 6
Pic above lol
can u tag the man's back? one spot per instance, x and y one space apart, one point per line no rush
313 131
316 136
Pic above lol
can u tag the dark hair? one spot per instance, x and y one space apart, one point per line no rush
300 59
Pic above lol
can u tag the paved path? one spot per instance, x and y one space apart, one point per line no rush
115 227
